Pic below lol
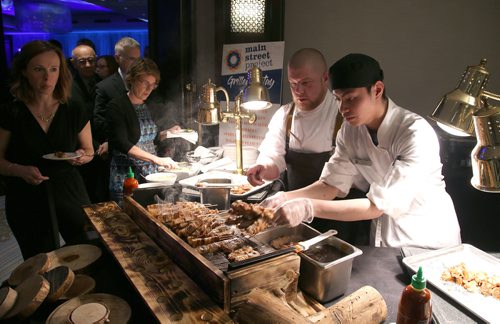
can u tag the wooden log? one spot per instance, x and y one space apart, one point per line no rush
60 279
37 264
262 306
365 305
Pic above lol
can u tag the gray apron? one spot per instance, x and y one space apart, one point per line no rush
302 169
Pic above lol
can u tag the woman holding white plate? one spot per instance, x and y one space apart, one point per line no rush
43 136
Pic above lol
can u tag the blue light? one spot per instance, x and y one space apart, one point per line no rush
103 39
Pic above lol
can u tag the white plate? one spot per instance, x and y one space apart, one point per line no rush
236 180
67 156
435 262
167 178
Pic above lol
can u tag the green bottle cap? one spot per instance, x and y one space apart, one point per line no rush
130 173
418 280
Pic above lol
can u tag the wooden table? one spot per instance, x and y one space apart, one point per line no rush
168 292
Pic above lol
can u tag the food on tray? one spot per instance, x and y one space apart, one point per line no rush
241 189
209 230
473 281
243 253
60 154
284 241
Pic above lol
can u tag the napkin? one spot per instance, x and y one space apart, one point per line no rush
187 134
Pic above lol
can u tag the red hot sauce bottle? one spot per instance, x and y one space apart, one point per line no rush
415 304
130 183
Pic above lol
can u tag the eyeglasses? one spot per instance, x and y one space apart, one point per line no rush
85 60
147 85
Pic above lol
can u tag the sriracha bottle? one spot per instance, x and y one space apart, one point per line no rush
415 304
130 183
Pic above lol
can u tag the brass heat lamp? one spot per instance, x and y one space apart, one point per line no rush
466 111
253 97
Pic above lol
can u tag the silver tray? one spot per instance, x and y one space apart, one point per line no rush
435 262
235 180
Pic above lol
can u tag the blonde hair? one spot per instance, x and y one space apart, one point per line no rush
20 86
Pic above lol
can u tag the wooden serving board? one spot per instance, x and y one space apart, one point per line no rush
30 295
60 279
119 310
37 264
82 284
169 293
76 257
8 297
227 289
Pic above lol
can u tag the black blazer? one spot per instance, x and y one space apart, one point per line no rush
123 125
81 95
106 90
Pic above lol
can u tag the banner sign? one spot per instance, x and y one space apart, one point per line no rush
237 59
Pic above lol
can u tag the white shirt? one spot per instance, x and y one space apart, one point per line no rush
403 174
312 132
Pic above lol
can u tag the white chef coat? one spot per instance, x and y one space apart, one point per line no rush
403 174
311 132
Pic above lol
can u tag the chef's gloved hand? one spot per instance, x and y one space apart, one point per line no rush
275 200
295 211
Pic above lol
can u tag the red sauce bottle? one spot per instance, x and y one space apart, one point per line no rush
130 183
415 304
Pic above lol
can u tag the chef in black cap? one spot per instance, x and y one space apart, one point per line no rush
387 151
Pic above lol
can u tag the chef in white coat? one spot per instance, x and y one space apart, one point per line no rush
388 151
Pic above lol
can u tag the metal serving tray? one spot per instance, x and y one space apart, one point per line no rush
435 262
235 179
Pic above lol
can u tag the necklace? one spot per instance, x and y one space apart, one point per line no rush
47 118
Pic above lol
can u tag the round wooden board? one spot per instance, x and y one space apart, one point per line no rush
37 264
30 295
8 297
60 279
82 284
119 310
76 257
89 313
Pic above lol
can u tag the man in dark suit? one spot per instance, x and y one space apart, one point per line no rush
95 173
127 50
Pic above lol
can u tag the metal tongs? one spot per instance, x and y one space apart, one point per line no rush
305 245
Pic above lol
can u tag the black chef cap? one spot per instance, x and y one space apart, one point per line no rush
355 71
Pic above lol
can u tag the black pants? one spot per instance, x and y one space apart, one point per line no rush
28 213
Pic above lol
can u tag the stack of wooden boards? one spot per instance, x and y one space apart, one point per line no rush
47 278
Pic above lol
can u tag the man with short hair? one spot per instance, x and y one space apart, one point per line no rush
387 150
301 135
127 50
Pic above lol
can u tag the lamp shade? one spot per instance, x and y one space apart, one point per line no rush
454 111
255 95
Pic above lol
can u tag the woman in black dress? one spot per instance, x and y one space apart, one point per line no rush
43 137
132 130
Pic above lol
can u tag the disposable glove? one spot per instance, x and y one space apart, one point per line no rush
275 200
295 211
